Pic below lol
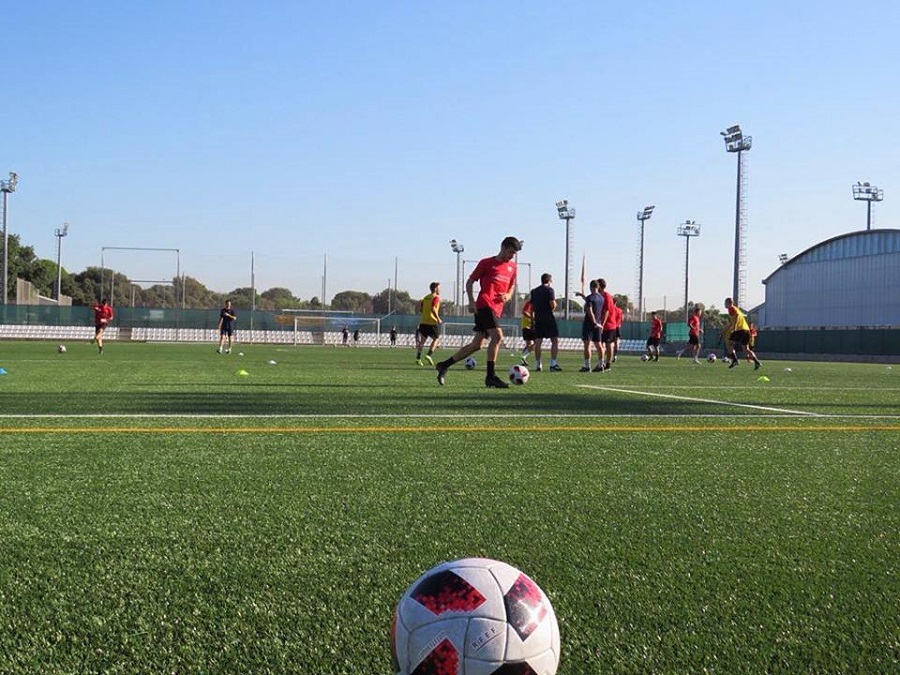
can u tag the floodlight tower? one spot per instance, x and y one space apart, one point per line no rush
458 249
735 141
59 234
7 187
567 214
687 229
866 192
642 217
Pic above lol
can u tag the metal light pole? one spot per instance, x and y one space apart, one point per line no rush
735 141
866 192
7 187
458 249
59 234
567 214
642 217
687 230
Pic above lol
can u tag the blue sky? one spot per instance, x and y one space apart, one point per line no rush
375 132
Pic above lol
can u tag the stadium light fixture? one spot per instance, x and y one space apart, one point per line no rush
687 229
642 217
458 249
735 141
866 192
59 234
7 187
566 213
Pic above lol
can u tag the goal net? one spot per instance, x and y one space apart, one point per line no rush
334 328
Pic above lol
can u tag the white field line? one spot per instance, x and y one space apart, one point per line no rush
783 411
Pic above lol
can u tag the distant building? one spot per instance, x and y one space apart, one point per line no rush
848 281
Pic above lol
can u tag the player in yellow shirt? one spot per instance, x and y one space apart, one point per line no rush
527 330
738 334
430 319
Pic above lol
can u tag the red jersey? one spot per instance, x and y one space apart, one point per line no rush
656 327
694 325
497 278
609 307
103 314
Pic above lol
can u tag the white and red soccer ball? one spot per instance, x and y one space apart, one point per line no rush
519 374
474 616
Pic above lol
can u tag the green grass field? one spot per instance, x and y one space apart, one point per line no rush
160 513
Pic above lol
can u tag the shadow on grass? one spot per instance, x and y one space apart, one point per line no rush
350 399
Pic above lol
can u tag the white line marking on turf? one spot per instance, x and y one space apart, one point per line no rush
700 400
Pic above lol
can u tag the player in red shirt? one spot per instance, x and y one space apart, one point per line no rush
103 314
608 321
656 328
497 279
695 328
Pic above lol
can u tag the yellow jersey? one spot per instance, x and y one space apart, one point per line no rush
430 307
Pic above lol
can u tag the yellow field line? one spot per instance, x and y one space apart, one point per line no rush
442 429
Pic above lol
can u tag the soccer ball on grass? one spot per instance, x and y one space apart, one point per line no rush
645 357
474 615
470 363
711 358
61 349
519 374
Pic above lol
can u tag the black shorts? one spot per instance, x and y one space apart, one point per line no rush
693 339
590 332
485 320
545 327
100 326
427 330
652 342
740 337
226 330
609 335
527 334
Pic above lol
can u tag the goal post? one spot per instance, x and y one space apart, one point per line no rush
326 327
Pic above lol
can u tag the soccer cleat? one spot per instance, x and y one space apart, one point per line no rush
419 362
441 373
495 381
757 366
429 359
524 361
539 368
734 363
555 368
219 350
227 351
584 369
598 368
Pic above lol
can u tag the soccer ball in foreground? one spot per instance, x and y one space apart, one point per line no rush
61 349
519 374
474 616
471 363
645 357
711 358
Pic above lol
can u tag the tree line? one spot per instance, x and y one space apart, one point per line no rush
86 287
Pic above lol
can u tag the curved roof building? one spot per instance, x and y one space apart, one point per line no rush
851 280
